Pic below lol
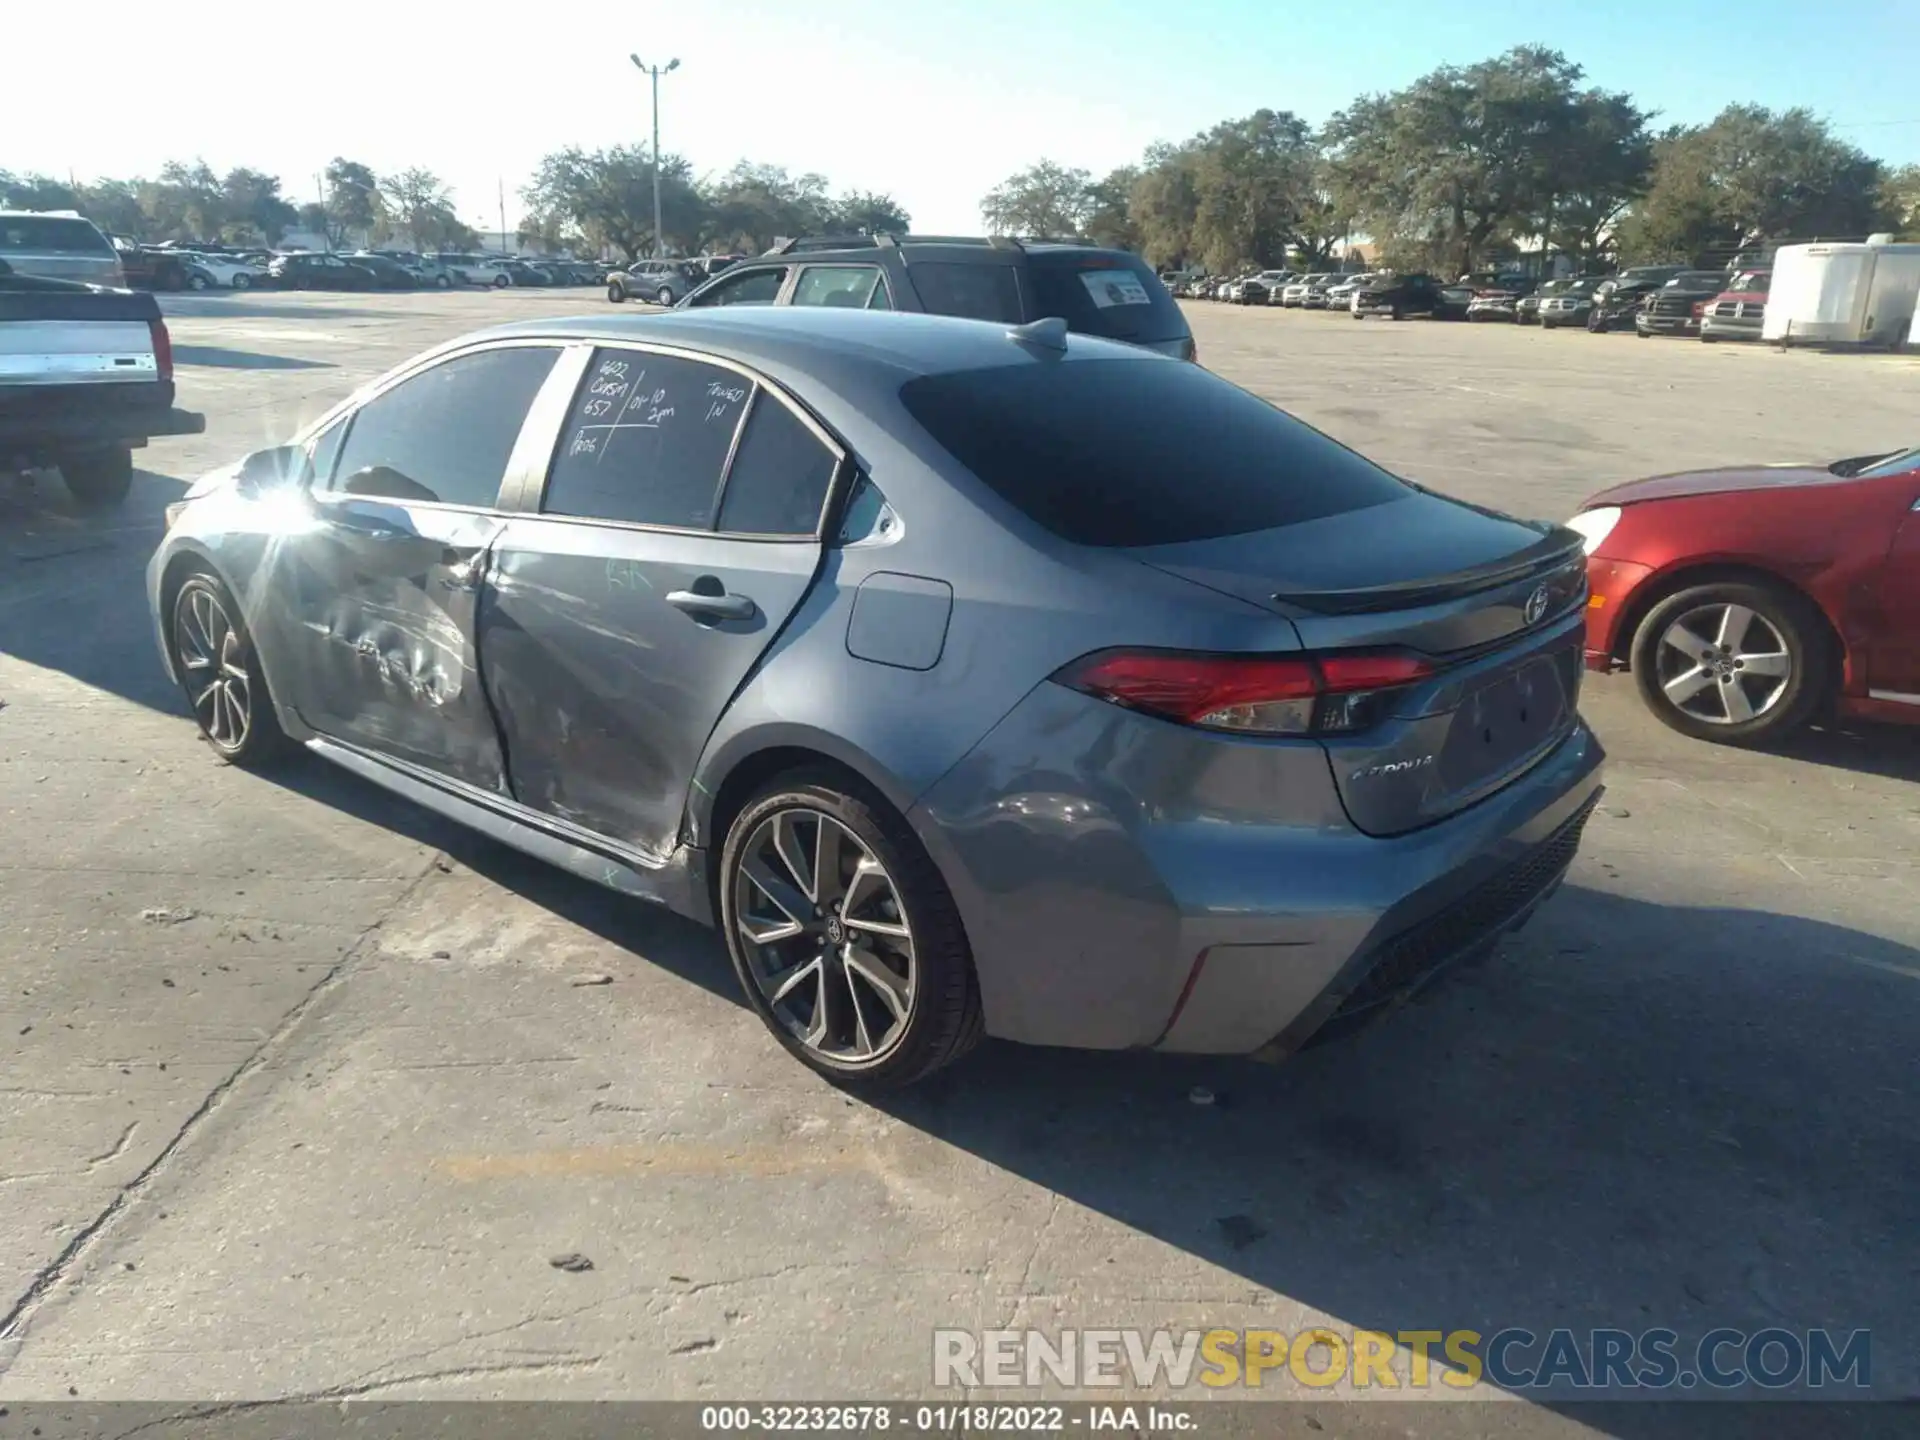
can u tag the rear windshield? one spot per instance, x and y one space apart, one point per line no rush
1140 452
1109 295
973 292
50 235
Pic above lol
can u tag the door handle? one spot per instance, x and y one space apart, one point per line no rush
723 605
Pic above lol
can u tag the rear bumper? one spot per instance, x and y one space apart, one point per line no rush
40 433
1127 885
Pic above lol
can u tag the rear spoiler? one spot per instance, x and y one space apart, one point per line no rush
1559 549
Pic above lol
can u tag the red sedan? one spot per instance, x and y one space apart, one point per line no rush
1748 601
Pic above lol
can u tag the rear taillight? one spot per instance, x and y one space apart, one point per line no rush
1328 694
162 348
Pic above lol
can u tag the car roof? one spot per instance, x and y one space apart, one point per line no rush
793 343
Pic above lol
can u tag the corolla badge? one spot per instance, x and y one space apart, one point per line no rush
1391 767
1538 603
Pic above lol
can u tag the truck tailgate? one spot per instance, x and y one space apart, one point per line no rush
77 352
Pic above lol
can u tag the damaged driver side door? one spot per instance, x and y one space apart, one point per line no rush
384 584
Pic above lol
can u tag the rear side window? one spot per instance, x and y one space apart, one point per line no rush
1140 452
646 440
1108 295
445 434
51 235
973 292
778 483
847 286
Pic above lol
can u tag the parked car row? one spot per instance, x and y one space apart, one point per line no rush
1671 300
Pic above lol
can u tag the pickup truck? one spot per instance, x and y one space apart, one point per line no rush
86 378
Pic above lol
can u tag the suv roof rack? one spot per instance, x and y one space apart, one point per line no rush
833 242
1055 240
883 239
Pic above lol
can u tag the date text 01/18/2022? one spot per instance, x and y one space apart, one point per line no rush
948 1419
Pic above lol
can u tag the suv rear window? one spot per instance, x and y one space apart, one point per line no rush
1106 295
50 235
973 292
1140 452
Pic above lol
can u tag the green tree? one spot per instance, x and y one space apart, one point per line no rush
1043 199
255 209
861 212
606 197
35 192
1253 180
1751 175
752 206
1900 199
417 204
354 200
187 202
1109 214
1462 159
1600 164
113 205
1164 203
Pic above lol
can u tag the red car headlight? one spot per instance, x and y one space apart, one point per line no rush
1593 526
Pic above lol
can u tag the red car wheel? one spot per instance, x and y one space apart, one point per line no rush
1734 662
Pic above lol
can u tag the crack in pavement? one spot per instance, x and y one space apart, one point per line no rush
360 1391
13 1324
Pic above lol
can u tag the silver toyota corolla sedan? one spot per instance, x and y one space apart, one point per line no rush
969 679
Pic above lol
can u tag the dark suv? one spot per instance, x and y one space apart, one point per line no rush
1097 291
1397 296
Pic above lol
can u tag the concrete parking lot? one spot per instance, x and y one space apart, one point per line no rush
302 1090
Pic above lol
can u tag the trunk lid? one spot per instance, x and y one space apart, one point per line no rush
1496 603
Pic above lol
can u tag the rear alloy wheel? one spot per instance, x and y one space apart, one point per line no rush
196 281
242 280
442 282
845 937
500 282
665 298
616 293
1733 662
213 657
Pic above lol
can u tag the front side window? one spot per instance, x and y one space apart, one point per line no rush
646 440
445 434
749 287
845 286
780 474
973 292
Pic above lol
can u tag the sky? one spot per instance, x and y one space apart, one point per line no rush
932 101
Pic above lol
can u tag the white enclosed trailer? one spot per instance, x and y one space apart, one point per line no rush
1843 294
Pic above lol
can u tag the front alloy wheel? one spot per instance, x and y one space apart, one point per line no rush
845 937
1737 663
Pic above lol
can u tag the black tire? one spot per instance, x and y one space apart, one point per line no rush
196 281
664 297
442 282
943 1019
500 282
1802 631
616 293
261 742
98 479
242 280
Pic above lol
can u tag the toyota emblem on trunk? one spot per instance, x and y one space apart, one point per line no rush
1537 604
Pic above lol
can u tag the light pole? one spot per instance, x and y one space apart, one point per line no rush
653 73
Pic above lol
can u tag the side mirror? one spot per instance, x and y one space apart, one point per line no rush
275 468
